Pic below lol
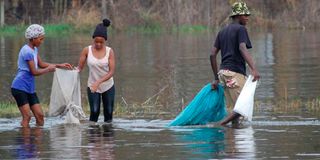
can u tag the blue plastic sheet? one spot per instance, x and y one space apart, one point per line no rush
207 106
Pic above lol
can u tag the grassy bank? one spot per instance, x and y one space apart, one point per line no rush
50 29
55 30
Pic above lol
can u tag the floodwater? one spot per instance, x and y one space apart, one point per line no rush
141 139
165 71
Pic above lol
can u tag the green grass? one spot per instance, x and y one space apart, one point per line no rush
8 110
12 30
58 30
52 30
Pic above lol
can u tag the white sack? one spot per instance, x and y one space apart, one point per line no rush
70 118
245 101
74 113
66 95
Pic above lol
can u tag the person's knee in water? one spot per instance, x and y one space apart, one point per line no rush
31 65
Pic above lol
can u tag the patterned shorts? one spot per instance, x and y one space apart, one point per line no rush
233 83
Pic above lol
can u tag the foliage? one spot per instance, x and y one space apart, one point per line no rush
12 30
150 14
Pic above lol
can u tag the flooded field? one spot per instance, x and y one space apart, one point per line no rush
178 65
151 139
162 72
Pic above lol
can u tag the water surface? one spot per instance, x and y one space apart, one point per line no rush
164 72
152 139
178 65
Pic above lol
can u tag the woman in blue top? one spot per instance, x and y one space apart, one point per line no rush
29 66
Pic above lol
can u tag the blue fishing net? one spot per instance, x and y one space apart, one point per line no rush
207 106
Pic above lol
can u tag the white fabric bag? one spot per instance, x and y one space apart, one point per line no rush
245 101
65 96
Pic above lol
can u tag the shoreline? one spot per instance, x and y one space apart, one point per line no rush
54 30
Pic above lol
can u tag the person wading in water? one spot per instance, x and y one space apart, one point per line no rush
31 65
101 62
233 41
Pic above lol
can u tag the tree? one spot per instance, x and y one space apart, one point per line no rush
103 9
1 13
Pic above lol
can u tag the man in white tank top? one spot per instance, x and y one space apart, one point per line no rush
101 62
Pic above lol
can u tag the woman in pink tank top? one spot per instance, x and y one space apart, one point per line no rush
101 62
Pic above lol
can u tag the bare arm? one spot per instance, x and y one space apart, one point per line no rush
213 61
43 64
38 72
247 57
214 66
83 59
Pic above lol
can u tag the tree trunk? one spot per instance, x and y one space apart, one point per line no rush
103 9
1 13
42 18
65 8
75 4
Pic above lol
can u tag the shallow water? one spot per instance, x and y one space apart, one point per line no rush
173 67
152 139
176 66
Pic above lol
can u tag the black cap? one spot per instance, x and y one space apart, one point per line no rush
101 29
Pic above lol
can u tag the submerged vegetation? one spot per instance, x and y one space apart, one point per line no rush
152 109
311 106
8 110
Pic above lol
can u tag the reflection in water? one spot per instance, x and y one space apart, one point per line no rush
178 63
287 60
244 143
296 140
29 142
218 142
237 143
296 68
263 55
2 52
64 139
72 141
101 142
203 142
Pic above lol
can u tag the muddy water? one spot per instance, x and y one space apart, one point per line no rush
151 139
178 66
